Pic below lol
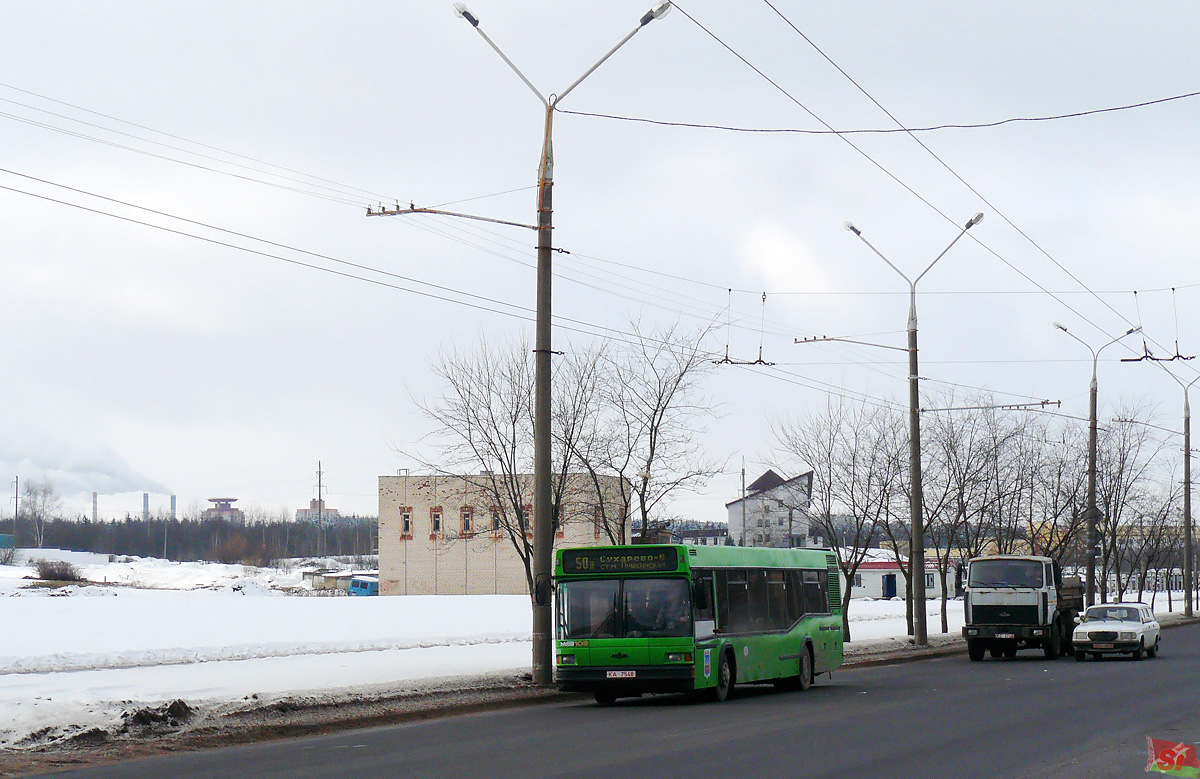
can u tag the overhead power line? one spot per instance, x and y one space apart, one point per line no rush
879 130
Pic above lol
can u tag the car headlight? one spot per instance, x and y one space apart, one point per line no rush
1125 635
1081 635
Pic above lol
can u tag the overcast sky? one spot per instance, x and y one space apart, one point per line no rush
137 359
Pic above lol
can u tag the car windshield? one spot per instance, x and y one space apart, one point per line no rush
1112 614
1005 573
624 608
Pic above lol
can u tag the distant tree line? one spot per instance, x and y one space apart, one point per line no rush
258 540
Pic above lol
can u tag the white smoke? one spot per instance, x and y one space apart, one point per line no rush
73 468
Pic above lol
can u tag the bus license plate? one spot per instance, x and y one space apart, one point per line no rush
622 674
1006 635
1102 646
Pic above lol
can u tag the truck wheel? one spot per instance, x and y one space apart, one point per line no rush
975 649
996 652
1051 644
1010 651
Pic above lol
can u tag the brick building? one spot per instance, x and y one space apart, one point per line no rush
446 535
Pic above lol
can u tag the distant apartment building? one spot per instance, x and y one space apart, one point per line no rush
317 511
223 508
447 535
774 512
714 535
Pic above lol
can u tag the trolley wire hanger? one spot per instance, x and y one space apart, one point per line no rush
726 360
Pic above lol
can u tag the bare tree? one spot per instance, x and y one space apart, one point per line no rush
652 389
1125 455
855 479
40 504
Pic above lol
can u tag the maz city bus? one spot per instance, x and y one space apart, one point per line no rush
682 618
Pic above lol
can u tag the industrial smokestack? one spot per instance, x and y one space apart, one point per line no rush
94 516
146 506
173 517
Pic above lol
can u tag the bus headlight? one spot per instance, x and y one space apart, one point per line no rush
679 657
566 659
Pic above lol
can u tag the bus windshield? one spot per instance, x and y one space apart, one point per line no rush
1005 573
624 608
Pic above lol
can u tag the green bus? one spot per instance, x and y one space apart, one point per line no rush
683 618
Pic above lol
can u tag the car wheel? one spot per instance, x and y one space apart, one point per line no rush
605 698
975 649
1141 648
725 680
1153 651
1080 656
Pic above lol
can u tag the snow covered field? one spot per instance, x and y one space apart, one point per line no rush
153 631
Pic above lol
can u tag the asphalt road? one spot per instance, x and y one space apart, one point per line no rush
936 718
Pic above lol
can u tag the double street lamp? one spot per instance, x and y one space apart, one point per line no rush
1093 539
543 531
916 555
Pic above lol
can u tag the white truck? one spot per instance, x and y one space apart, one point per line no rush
1014 602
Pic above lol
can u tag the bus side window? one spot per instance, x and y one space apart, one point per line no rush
733 601
816 596
795 595
702 599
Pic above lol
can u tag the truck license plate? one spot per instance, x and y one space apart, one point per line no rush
1006 635
1102 646
622 674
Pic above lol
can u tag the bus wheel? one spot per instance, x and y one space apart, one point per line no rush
725 680
806 667
605 698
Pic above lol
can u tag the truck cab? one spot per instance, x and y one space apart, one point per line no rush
1014 602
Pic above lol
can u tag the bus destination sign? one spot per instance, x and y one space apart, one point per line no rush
648 560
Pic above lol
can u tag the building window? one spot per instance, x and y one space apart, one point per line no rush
858 580
527 520
929 584
467 521
435 517
495 512
406 527
597 522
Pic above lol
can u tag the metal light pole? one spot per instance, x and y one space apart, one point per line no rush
1093 535
916 555
1187 494
543 530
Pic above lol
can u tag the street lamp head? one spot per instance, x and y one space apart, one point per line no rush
657 12
850 226
1060 326
1133 330
975 220
460 10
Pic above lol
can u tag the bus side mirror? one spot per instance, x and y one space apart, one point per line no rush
700 598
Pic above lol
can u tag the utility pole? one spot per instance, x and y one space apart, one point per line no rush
916 557
16 504
743 501
1093 538
320 514
543 518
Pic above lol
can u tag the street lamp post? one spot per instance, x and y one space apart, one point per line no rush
543 531
916 555
1187 494
1093 534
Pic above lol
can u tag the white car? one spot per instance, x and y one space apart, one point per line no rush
1116 628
